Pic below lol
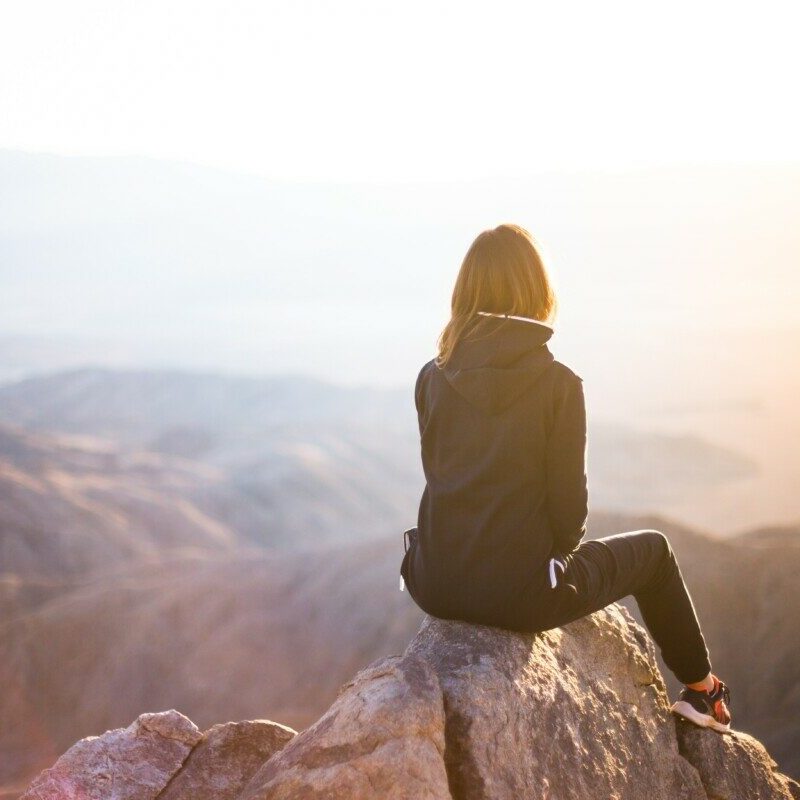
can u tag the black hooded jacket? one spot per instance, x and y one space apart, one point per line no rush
503 440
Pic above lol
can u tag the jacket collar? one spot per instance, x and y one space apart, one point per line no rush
514 316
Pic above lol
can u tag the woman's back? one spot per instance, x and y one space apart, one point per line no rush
503 434
503 439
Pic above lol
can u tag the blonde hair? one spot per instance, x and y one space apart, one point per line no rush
502 272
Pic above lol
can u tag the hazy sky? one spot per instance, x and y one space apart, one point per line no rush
678 286
554 94
370 90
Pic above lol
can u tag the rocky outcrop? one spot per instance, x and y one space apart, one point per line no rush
225 759
733 766
123 764
467 711
286 630
162 756
385 736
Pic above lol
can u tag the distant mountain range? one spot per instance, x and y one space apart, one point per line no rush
71 506
140 263
98 466
771 536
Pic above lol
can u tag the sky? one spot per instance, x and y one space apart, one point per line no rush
654 148
397 93
373 91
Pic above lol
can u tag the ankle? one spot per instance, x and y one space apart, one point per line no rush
707 684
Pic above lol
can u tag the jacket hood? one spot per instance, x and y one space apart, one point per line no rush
500 358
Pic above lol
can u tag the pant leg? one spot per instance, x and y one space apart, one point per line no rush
639 563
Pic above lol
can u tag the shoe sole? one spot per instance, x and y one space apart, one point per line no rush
688 711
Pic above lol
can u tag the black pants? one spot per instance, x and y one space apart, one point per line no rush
639 563
600 572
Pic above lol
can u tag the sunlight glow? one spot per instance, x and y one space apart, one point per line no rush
418 90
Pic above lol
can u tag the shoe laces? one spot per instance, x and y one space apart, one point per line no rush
721 689
719 700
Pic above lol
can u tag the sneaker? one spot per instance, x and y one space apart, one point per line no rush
707 709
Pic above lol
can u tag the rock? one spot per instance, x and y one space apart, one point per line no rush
133 763
735 767
576 713
162 755
467 712
383 737
225 759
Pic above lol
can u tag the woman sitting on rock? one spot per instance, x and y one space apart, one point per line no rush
499 536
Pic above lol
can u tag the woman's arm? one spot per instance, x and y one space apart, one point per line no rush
567 492
419 398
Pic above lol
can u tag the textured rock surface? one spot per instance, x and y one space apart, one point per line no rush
132 763
384 737
162 756
576 712
467 712
225 759
735 767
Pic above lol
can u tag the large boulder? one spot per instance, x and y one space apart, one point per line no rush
384 737
475 712
575 713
